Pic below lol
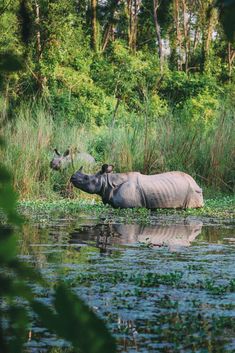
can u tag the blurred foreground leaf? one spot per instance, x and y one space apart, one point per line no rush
10 62
87 331
80 325
227 18
69 317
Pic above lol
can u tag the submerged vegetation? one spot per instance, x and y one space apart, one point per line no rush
152 298
222 208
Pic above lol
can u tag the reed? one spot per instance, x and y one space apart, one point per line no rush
148 144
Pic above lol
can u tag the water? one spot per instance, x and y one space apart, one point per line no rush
166 287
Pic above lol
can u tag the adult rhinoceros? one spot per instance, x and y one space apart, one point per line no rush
128 190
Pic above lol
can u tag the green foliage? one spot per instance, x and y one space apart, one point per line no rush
218 206
227 12
127 76
68 316
153 141
116 103
178 86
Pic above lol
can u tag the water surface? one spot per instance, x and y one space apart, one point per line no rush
167 287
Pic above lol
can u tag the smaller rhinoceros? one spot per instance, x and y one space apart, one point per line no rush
128 190
62 161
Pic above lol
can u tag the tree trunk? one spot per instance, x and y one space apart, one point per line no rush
158 32
94 25
107 34
178 35
208 26
186 35
231 57
133 7
38 33
41 79
109 28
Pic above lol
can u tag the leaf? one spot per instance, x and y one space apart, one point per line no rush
48 318
12 288
8 244
26 272
25 21
5 176
8 198
19 324
10 62
227 18
80 325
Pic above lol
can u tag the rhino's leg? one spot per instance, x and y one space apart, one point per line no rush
194 198
127 195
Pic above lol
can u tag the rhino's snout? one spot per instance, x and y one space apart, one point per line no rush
76 180
55 164
73 179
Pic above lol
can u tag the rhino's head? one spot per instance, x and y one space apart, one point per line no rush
60 161
90 183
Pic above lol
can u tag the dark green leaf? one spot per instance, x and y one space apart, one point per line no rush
5 176
48 318
227 17
8 244
10 62
80 325
26 272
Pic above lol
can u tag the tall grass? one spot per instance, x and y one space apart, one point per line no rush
31 138
205 152
146 144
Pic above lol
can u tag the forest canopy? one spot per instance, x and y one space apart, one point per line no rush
89 56
151 67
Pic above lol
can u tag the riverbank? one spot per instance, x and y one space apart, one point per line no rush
215 210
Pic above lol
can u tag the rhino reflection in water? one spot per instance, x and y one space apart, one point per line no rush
172 236
106 236
128 190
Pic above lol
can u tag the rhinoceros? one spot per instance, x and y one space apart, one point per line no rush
133 189
62 161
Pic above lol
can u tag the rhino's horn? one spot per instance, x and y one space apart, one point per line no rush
107 168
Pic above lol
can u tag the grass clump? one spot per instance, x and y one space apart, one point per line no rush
147 142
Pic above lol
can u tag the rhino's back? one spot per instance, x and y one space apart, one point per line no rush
85 157
170 190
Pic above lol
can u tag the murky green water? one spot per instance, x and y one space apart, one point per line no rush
168 287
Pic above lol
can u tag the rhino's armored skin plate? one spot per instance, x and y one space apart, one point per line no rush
128 190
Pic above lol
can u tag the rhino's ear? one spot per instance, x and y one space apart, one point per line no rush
66 153
106 168
57 152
